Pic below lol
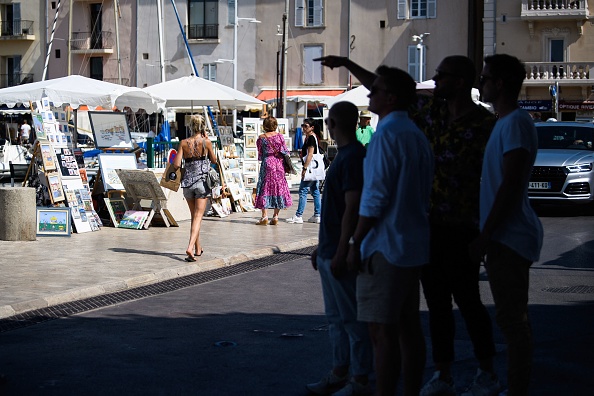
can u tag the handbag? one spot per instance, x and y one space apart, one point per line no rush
316 169
212 179
287 163
171 178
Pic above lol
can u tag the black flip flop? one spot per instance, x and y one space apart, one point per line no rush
189 259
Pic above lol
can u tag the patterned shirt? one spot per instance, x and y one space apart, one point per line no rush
458 149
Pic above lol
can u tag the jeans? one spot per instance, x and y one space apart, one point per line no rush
349 338
509 279
304 188
451 274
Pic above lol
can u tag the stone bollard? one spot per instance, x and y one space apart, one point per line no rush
18 216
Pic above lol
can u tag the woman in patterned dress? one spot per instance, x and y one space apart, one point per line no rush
272 190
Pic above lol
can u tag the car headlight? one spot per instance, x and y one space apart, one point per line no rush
579 168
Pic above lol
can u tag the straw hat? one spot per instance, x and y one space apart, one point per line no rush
365 114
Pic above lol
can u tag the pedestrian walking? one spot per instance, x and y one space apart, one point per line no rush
511 233
197 153
392 234
352 352
25 131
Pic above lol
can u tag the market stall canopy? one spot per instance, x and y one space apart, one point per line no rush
78 90
195 91
358 96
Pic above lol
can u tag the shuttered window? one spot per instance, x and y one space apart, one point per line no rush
309 13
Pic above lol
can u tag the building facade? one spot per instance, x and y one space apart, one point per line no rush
555 39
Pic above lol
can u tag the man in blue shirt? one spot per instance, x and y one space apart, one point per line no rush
392 235
349 338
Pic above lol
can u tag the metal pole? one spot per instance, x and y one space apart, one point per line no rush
70 39
235 62
116 15
284 63
160 32
49 48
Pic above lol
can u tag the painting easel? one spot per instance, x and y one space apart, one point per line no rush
141 184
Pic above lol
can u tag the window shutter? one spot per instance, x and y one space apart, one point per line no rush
312 71
431 8
402 9
16 18
231 12
413 61
318 10
299 12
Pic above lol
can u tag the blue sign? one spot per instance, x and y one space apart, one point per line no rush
536 105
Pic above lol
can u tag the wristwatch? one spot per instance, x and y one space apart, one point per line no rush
352 242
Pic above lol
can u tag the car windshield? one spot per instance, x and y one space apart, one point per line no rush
573 137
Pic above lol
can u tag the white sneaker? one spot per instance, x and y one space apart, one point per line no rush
484 384
354 388
436 387
295 220
314 219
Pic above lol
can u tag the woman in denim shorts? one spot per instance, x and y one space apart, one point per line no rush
197 153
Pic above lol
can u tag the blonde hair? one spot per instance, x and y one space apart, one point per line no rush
270 124
197 124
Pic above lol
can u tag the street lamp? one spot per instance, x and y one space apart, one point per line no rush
234 60
421 49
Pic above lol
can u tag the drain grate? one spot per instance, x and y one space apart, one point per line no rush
71 308
570 289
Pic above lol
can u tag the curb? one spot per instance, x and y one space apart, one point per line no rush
7 311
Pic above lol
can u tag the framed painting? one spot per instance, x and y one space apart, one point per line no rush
250 127
108 163
55 187
250 167
38 125
110 130
250 140
251 154
53 221
48 155
251 180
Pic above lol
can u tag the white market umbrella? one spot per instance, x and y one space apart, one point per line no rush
196 91
358 96
77 90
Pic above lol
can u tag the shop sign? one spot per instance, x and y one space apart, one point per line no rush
536 105
567 105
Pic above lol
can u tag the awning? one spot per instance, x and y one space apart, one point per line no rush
310 95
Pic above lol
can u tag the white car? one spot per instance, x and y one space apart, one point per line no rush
562 171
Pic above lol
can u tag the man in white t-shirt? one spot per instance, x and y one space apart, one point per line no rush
511 233
25 131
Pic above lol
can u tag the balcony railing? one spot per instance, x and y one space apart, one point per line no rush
554 9
12 79
550 71
91 41
16 28
202 31
125 81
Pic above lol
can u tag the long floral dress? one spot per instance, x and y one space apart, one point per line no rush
272 190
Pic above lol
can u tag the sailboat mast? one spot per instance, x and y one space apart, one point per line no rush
116 13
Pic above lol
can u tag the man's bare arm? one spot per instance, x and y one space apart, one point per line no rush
365 76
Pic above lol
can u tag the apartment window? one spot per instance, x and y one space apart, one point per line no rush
312 71
415 9
415 63
13 66
96 63
309 13
203 19
10 19
556 50
210 72
230 12
58 54
145 55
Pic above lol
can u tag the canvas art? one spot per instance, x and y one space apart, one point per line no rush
133 219
53 222
108 164
55 187
251 154
48 155
249 127
110 130
250 140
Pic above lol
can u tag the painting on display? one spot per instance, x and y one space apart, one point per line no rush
251 154
250 140
53 221
133 219
74 201
48 155
55 187
108 163
68 165
251 126
110 130
38 126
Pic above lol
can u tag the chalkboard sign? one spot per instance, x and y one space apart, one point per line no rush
110 130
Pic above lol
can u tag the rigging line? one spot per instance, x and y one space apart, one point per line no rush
49 48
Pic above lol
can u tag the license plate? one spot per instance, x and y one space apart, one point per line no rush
539 185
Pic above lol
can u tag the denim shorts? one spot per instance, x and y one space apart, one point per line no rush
197 190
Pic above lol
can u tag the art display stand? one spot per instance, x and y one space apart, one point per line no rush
143 185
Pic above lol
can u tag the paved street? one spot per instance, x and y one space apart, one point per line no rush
272 328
